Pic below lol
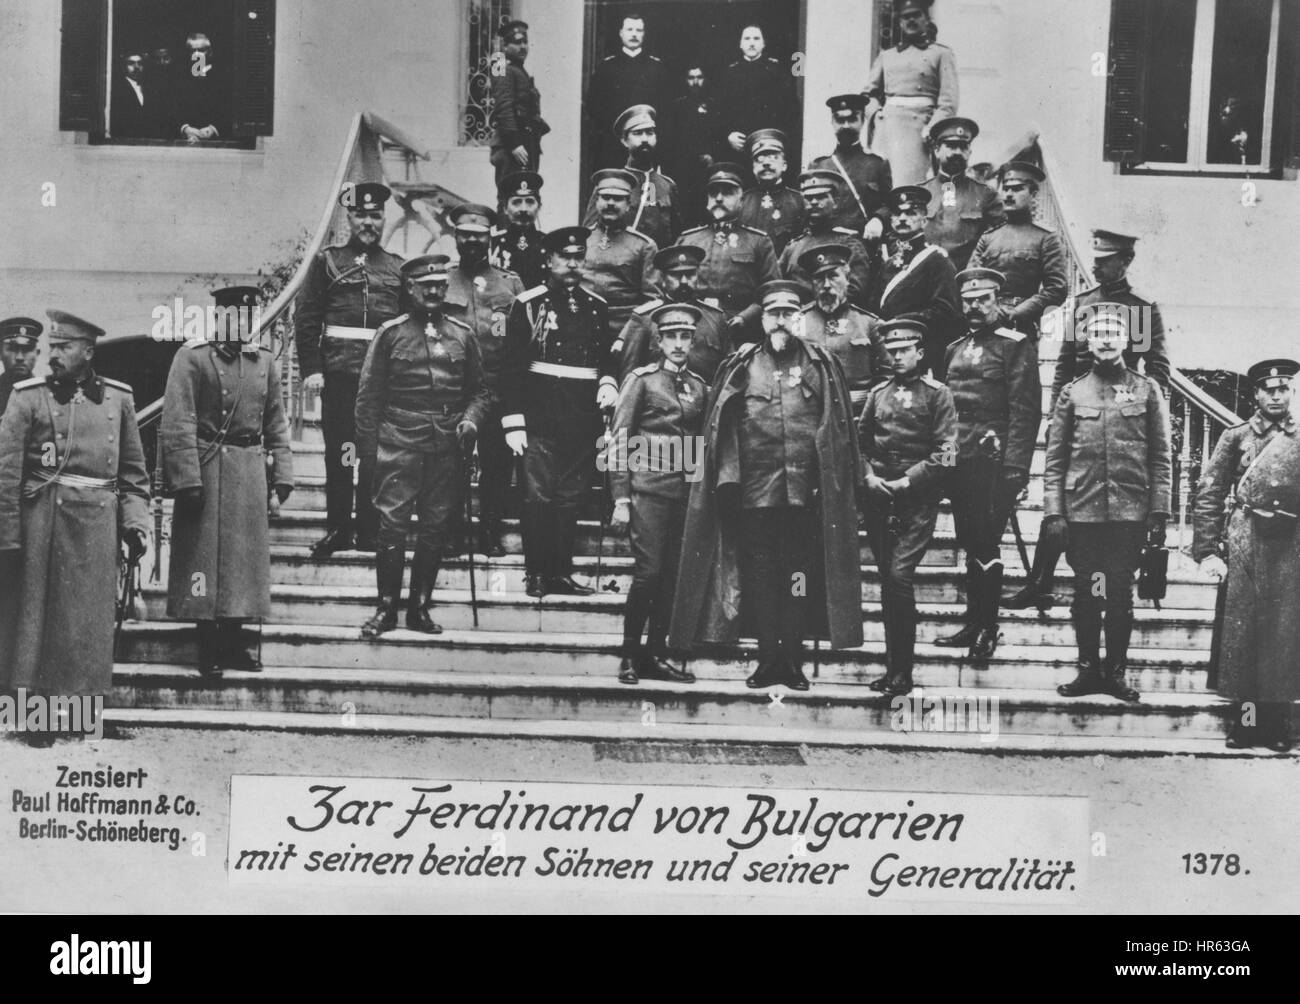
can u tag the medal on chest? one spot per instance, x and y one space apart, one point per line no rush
733 239
974 352
79 397
949 195
720 239
605 243
480 283
835 327
904 396
792 377
523 243
1123 395
552 321
359 260
767 202
433 334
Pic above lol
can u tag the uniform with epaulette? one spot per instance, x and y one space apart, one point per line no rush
655 210
422 397
559 355
222 417
516 247
481 295
658 419
1247 514
73 483
993 376
820 231
756 94
19 342
961 207
847 331
516 108
620 260
1108 484
620 81
907 433
866 176
773 208
349 291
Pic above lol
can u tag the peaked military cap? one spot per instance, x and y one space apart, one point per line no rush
613 181
1106 317
782 293
566 240
1108 242
847 102
364 196
902 330
20 329
954 127
978 281
822 259
67 327
679 258
472 218
636 117
520 183
676 317
1023 170
1273 372
236 296
818 180
907 197
765 141
514 31
726 173
428 268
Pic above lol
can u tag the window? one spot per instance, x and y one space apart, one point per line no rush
1202 85
163 72
480 22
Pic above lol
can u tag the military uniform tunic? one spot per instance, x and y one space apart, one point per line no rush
222 417
809 240
1146 346
7 382
519 250
961 209
620 269
619 82
72 480
867 185
1033 261
637 343
849 334
517 119
916 278
916 83
777 211
737 261
656 209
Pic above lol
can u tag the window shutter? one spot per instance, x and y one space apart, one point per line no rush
82 69
1286 114
1125 84
254 84
886 25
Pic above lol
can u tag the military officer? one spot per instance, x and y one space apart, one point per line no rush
481 295
781 465
1106 493
628 77
961 207
560 376
737 259
661 405
222 417
350 290
1245 516
1031 257
993 375
866 176
422 397
908 435
848 332
755 92
819 190
19 347
915 84
620 261
516 107
1112 255
655 208
73 489
770 206
679 270
516 241
916 277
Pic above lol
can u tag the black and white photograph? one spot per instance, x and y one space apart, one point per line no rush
678 457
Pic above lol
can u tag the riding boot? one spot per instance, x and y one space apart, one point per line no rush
231 651
1119 629
424 576
986 643
1042 576
390 563
208 639
970 623
1087 636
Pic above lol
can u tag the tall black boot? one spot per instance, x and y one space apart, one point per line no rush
1087 635
1042 576
900 643
534 522
566 534
970 629
1275 726
655 663
424 576
390 562
634 620
1119 629
232 651
990 596
209 644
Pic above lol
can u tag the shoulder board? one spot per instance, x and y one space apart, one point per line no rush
197 343
1011 333
939 45
647 307
393 323
593 294
843 230
457 321
707 305
997 226
646 370
1086 292
666 178
735 64
853 307
1039 226
655 59
337 247
29 383
638 233
752 230
531 294
771 59
930 381
497 232
694 230
691 372
610 59
118 384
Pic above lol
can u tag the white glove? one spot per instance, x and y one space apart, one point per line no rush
517 440
314 383
1214 568
622 514
874 229
606 397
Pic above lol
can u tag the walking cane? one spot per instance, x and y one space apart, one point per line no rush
468 458
605 503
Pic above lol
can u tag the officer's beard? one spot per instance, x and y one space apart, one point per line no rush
683 292
779 339
641 156
829 301
954 166
848 137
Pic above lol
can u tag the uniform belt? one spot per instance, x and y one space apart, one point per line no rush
44 479
247 440
432 409
353 334
568 372
910 101
1251 510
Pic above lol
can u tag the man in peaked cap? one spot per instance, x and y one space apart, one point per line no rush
350 290
782 466
516 239
678 268
908 434
848 331
73 489
915 277
222 417
421 400
20 340
1106 494
738 259
481 295
1031 257
866 177
993 375
559 377
518 126
770 206
661 408
1246 513
821 191
654 206
620 261
961 207
630 76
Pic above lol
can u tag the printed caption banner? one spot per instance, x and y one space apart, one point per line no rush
848 845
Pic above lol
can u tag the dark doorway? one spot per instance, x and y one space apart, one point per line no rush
704 33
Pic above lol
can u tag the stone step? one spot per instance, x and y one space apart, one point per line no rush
595 656
499 696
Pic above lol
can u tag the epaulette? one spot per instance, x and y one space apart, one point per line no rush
997 226
645 370
706 305
1015 336
773 60
29 383
845 230
752 230
457 321
529 295
392 324
865 312
690 372
930 381
505 271
197 343
594 295
637 233
497 232
647 307
610 59
118 384
695 230
1086 292
666 178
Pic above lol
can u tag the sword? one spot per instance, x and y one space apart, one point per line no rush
468 456
1020 540
127 593
605 506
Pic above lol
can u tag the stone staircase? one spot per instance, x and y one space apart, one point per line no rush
548 667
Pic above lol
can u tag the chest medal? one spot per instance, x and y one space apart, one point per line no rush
974 352
767 201
949 196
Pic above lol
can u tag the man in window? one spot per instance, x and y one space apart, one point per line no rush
629 77
516 108
693 130
203 102
133 115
